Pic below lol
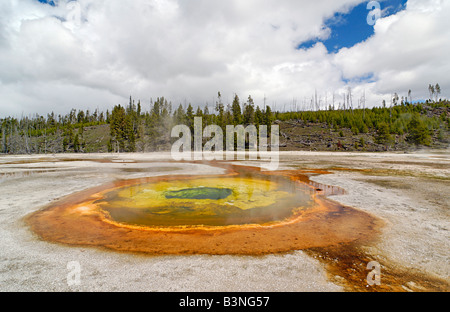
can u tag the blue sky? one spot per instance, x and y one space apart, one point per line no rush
51 2
351 28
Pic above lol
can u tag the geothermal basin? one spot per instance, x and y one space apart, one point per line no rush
243 211
140 222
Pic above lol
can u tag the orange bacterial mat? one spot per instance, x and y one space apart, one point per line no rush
255 213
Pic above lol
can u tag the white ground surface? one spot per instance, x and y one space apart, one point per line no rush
416 236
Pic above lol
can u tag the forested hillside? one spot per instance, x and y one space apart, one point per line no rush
134 128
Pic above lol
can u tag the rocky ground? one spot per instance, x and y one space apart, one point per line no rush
296 135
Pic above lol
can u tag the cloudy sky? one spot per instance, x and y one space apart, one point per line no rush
88 54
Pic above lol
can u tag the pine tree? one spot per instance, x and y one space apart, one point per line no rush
258 116
236 111
117 126
418 131
80 116
65 144
122 130
139 109
190 117
249 111
199 112
268 119
383 135
179 116
76 144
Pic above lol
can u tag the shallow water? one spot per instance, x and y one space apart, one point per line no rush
247 198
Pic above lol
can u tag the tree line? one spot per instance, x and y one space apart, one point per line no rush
131 128
38 134
413 121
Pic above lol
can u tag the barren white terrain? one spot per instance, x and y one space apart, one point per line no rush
408 192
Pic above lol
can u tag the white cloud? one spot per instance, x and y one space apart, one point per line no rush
58 58
409 50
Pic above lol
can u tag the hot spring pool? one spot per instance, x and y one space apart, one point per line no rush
242 212
205 201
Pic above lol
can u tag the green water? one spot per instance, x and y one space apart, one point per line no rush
215 201
199 193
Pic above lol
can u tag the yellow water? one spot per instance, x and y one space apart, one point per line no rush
252 200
